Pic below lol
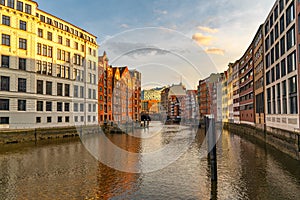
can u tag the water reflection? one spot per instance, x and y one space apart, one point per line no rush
64 169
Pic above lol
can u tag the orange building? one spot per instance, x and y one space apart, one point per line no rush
105 84
119 93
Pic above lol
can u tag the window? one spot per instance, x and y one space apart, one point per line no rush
281 5
94 94
27 9
271 20
50 51
82 48
48 88
21 85
4 120
21 105
4 104
49 21
277 72
81 107
276 13
298 23
48 106
276 31
39 49
284 101
59 106
42 18
5 82
59 89
67 42
38 120
67 119
44 71
272 75
282 27
291 62
49 35
22 43
290 14
5 61
49 119
290 38
273 101
272 55
2 2
11 3
40 32
67 107
293 95
75 90
277 51
82 92
283 68
59 119
22 63
75 107
23 25
77 59
94 108
272 37
39 66
44 50
39 106
5 40
5 20
20 6
76 45
39 88
82 118
67 90
90 94
76 118
59 39
282 46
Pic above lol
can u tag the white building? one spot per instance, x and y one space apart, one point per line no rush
48 71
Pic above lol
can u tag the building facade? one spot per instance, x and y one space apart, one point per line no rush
105 89
258 58
281 73
225 103
210 96
246 90
48 69
119 93
236 94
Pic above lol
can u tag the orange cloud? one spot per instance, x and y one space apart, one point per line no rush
207 29
202 39
215 51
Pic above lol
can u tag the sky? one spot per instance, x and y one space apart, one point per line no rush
167 40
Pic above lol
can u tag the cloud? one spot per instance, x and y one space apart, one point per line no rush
124 26
161 12
202 39
207 29
215 51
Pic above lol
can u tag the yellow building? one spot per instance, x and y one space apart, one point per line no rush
48 69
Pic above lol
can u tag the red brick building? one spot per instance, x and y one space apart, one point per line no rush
246 88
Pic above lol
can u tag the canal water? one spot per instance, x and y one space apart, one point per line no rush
64 169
